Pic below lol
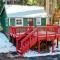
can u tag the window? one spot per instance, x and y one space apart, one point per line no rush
11 21
19 22
38 21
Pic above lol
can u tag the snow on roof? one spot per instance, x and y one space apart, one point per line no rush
25 11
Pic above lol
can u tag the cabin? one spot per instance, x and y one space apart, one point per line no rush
17 15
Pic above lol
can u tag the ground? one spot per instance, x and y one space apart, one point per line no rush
5 57
30 55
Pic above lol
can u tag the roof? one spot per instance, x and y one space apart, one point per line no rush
25 11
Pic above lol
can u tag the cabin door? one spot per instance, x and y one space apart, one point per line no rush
30 22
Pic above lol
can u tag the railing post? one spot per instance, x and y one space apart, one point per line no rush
57 43
11 29
13 40
56 36
17 43
52 45
46 36
29 42
38 46
37 34
33 46
15 31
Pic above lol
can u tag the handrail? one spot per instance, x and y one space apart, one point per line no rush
44 27
22 26
11 28
28 36
54 28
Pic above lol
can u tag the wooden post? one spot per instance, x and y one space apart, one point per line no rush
46 45
17 45
57 43
12 39
52 45
38 46
30 41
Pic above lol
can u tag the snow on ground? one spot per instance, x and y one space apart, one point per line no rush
5 45
35 54
31 53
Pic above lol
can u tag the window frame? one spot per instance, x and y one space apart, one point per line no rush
38 21
16 21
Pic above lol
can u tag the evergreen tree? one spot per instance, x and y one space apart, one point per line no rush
1 6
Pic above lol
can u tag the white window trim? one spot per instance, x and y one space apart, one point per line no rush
28 21
16 21
37 20
9 21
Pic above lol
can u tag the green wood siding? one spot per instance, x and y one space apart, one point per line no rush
25 21
34 22
43 21
12 22
7 25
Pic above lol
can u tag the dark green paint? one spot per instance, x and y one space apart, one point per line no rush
25 21
43 21
12 22
34 22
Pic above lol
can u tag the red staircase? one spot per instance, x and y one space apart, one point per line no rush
27 42
24 41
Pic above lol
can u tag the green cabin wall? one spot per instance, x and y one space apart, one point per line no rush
7 25
34 22
12 22
43 21
25 22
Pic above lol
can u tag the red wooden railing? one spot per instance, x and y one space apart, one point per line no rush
19 31
34 35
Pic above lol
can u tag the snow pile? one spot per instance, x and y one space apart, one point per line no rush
5 45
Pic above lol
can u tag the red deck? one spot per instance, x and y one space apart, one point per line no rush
26 37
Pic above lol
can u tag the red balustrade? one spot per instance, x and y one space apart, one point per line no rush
28 36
